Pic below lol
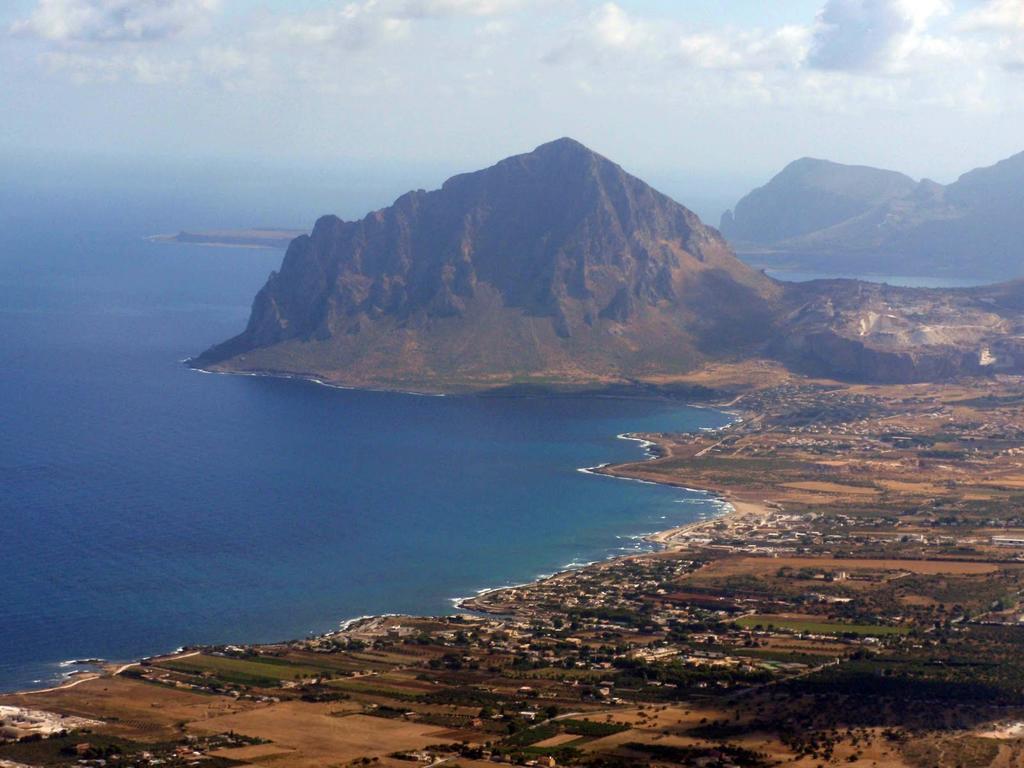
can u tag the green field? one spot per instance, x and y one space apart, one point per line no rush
258 671
817 627
271 671
375 686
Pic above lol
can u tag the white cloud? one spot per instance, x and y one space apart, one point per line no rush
483 48
99 40
353 25
361 23
997 28
66 21
610 29
853 57
148 70
865 35
1000 15
440 8
784 48
223 62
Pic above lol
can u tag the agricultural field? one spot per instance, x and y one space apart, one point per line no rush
811 625
308 734
264 672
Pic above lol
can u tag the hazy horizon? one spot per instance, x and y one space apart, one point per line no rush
296 195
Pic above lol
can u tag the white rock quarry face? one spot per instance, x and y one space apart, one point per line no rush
867 323
892 333
919 325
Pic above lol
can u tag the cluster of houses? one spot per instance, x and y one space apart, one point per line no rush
18 722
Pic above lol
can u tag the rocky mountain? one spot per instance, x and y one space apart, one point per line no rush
554 266
857 330
809 195
972 228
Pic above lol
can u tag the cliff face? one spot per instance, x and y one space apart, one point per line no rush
553 266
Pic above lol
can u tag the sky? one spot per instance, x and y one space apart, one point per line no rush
705 97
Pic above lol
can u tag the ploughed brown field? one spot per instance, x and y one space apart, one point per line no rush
305 734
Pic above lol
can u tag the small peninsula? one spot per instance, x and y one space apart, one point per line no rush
233 238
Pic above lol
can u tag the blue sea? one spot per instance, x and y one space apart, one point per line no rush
145 506
903 281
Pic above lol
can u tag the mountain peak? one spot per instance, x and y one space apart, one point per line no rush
808 162
564 146
560 162
810 194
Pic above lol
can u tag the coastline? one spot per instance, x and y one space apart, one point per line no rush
737 504
661 540
733 508
309 379
615 389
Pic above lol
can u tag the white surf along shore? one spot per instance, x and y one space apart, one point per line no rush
645 542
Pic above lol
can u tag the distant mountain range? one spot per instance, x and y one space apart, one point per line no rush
558 268
823 216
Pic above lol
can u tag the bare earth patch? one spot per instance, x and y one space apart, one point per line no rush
130 707
557 741
252 752
319 737
823 487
